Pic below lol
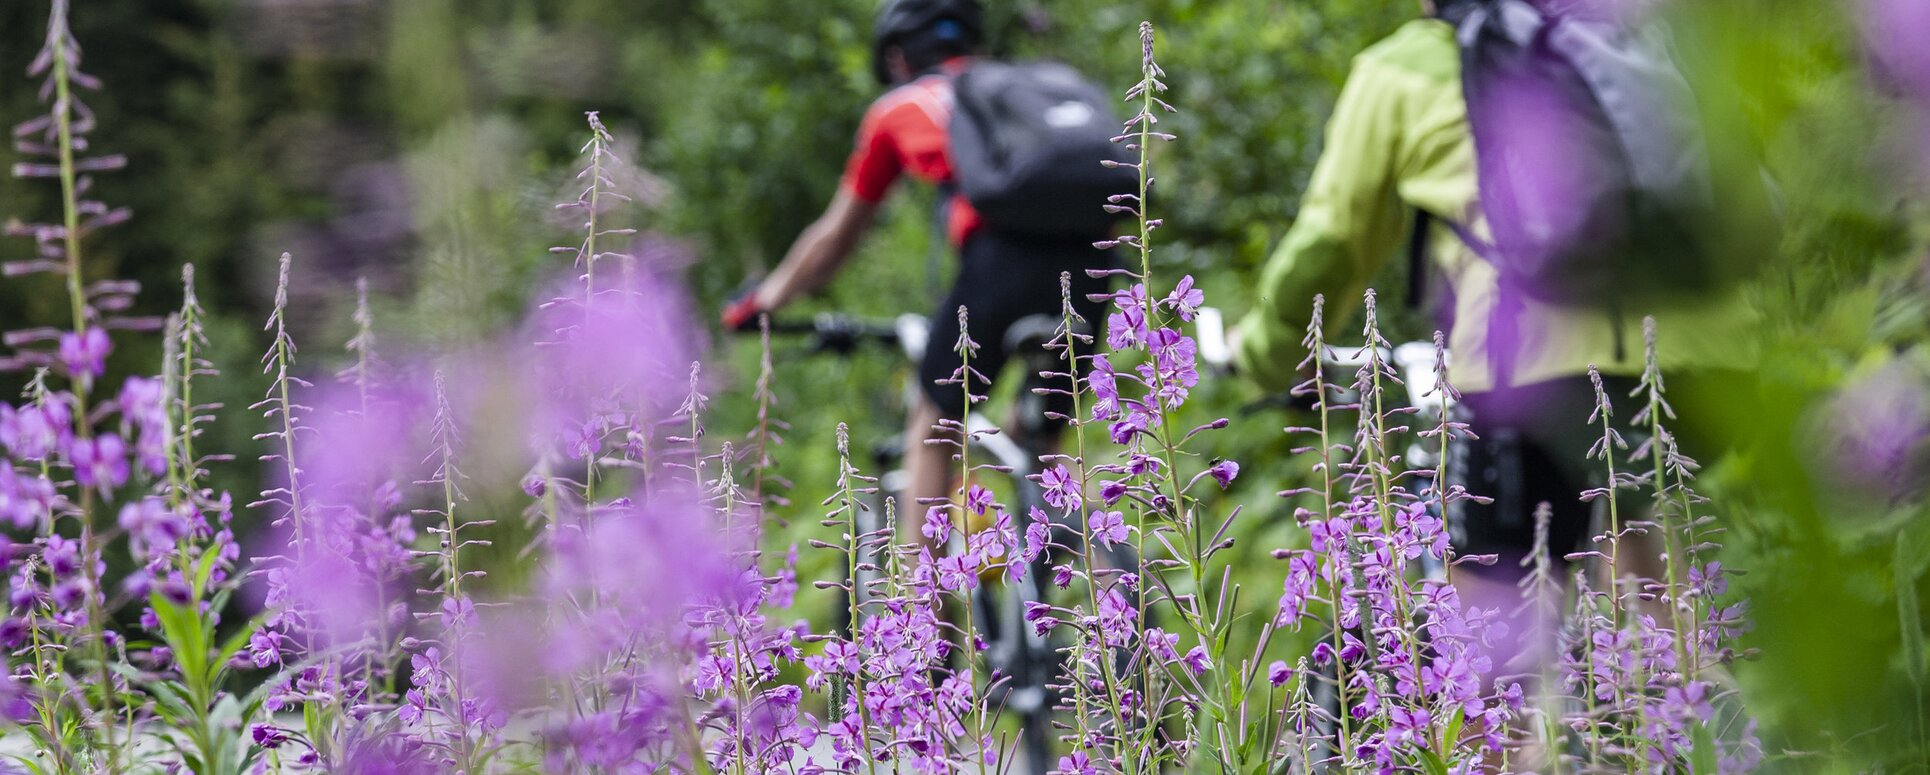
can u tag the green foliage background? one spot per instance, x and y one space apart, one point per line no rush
419 143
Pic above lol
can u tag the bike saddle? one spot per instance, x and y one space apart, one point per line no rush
1031 334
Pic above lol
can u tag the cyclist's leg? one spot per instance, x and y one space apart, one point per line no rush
930 473
1518 457
978 290
1057 400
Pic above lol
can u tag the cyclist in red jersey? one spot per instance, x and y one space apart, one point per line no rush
918 46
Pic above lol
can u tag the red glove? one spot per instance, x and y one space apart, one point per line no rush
741 314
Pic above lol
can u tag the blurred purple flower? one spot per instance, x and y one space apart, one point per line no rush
1876 432
35 431
100 461
84 354
1893 29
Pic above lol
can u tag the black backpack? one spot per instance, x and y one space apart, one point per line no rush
1028 142
1591 156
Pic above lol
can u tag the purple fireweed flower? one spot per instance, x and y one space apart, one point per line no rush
1185 299
1037 536
1111 491
35 431
1688 702
1302 567
1708 580
153 527
784 589
141 402
1197 660
938 524
1116 615
1059 488
1329 536
1176 357
1876 433
141 406
1105 388
1040 615
457 612
1224 472
13 632
1108 527
1062 576
1163 644
1408 727
264 647
978 499
1279 673
1888 29
100 462
957 573
839 658
1322 654
1351 648
68 595
176 590
1136 421
267 736
24 500
1127 329
84 354
1076 763
62 557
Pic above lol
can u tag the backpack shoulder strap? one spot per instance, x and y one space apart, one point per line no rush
1417 263
1417 274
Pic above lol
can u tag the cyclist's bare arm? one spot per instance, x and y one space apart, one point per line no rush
818 252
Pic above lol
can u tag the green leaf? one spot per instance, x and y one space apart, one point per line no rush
1432 763
31 765
1702 758
1454 728
1909 616
171 698
203 570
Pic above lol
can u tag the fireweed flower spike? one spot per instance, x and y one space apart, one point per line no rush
54 145
1140 404
767 486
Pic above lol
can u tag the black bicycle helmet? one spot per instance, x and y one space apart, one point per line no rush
900 18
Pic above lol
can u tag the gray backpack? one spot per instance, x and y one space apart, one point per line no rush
1593 167
1028 142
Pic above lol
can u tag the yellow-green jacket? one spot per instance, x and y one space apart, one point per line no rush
1398 140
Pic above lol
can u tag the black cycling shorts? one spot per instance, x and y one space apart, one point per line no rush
1532 448
1003 280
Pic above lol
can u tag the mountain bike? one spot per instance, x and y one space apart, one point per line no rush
1022 662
